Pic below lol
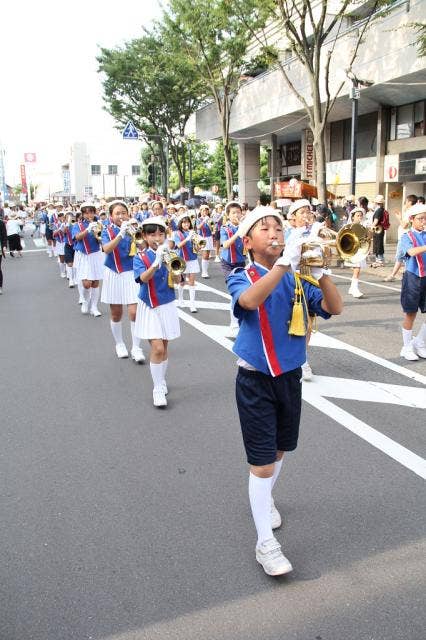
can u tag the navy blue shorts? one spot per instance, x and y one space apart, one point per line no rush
413 293
269 410
49 233
69 253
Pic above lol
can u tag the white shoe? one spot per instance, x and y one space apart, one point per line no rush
356 293
84 307
121 350
276 520
63 275
193 308
408 352
137 354
217 259
71 284
81 301
94 311
273 561
159 398
306 371
419 348
164 388
205 275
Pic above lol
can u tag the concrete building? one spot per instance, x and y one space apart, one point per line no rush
391 141
103 170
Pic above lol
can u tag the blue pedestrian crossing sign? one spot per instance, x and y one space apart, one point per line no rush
130 132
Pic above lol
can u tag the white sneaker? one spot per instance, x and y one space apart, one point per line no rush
1 291
137 354
63 275
205 275
164 387
408 352
276 520
81 301
419 348
159 398
94 311
121 350
217 259
306 371
273 561
356 293
193 308
85 307
71 284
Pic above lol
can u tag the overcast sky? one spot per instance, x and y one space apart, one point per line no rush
51 92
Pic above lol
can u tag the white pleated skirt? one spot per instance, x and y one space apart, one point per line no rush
209 244
159 323
59 248
119 288
91 266
192 266
42 228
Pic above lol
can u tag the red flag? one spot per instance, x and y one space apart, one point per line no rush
24 179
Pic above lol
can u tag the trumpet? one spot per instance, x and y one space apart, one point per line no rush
198 243
174 263
351 243
135 232
97 231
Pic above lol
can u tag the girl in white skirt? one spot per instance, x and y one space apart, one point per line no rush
356 217
59 249
205 228
90 264
119 287
157 319
183 243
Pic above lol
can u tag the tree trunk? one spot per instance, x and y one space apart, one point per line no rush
320 167
228 168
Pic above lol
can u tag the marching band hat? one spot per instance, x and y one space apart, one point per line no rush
254 216
416 209
158 220
112 204
298 204
183 216
233 203
87 205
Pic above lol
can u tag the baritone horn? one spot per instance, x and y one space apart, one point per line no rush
351 243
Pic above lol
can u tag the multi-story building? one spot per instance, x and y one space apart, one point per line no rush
102 171
391 139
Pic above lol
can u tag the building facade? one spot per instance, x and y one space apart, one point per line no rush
391 138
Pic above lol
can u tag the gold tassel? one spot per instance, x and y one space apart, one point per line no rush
170 280
297 325
132 251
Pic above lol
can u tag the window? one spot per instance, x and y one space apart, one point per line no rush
419 119
136 170
366 139
112 169
96 169
405 122
293 153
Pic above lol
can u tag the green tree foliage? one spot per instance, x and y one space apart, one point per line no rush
215 42
146 82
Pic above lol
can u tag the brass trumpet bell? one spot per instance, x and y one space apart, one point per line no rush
174 263
351 243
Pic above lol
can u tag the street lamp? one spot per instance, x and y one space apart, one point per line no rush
354 96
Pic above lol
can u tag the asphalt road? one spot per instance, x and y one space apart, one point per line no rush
120 521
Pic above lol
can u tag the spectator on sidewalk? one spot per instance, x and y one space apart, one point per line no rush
3 245
13 229
404 225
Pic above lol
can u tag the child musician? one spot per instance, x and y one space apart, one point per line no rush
183 242
157 318
59 237
119 287
69 250
205 224
270 351
90 262
232 253
356 217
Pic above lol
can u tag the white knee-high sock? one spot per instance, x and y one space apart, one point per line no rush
81 290
277 470
204 267
94 297
135 341
192 293
421 336
117 331
74 274
165 364
61 267
69 273
180 294
85 294
260 502
156 373
407 335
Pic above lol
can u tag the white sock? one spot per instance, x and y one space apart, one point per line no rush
277 469
117 331
180 294
421 336
94 297
74 274
61 268
165 365
69 272
85 294
192 293
260 502
135 341
81 290
204 267
407 335
156 373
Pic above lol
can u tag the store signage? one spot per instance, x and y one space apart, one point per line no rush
30 157
23 179
420 166
391 168
308 158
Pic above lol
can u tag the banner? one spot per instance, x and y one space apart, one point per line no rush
30 157
24 179
308 157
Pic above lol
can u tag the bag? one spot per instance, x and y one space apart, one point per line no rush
385 223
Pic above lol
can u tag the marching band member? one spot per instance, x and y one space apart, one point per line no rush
204 224
217 217
69 249
183 243
90 261
52 219
356 216
119 287
232 254
59 237
157 319
270 352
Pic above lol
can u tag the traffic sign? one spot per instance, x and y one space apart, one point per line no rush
130 132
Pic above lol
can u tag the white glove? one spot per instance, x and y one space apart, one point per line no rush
318 272
158 256
92 226
124 228
190 235
291 254
314 231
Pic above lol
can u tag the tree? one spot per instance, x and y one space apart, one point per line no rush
215 42
159 98
309 30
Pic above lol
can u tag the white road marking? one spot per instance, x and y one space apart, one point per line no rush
372 284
